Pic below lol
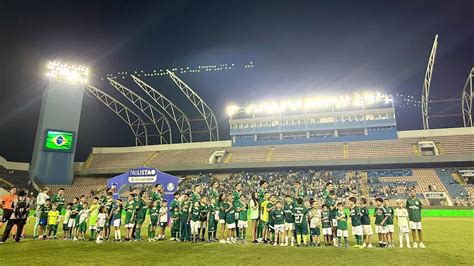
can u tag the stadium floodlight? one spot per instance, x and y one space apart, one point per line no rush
67 72
232 109
314 103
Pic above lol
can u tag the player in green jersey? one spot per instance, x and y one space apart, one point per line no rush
271 225
414 207
117 220
93 214
212 217
43 218
130 214
77 209
157 195
108 209
153 212
356 222
195 216
326 225
196 195
301 222
59 200
242 207
184 218
298 190
174 213
390 227
341 218
288 208
366 227
72 219
214 194
380 222
221 204
230 218
142 208
331 203
278 218
236 195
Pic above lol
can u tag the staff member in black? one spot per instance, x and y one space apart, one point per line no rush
21 209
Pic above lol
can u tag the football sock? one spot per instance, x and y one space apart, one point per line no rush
407 237
298 239
304 239
286 240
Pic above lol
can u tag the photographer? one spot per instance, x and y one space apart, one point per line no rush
21 209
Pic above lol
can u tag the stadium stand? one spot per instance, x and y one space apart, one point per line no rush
118 160
90 186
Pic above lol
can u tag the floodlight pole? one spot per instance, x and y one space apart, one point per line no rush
426 85
134 121
159 120
466 101
178 116
204 110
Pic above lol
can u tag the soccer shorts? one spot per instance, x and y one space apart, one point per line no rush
301 229
65 228
279 228
154 221
202 224
379 229
71 223
342 233
289 226
163 224
390 228
130 225
404 229
315 231
221 221
367 230
43 221
334 222
52 227
327 231
140 220
357 230
230 226
195 225
242 224
117 222
92 227
83 227
415 225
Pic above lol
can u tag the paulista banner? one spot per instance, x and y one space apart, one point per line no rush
143 178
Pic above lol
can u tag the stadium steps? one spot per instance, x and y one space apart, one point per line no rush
458 178
345 151
3 180
88 162
440 148
416 150
228 156
151 158
270 154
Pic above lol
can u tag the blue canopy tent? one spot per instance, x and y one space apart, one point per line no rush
143 178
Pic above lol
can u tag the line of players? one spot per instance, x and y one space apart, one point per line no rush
272 220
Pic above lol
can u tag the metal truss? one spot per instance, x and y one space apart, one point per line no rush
161 123
173 111
466 101
204 110
426 85
134 121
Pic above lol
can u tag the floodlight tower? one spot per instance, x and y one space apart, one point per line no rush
58 124
466 100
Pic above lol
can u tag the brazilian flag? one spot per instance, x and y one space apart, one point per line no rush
58 141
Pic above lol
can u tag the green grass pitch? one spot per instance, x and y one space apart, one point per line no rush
450 241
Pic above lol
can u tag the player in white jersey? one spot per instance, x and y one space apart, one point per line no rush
401 214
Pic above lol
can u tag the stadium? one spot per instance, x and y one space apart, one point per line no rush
308 151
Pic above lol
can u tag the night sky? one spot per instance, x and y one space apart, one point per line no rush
298 48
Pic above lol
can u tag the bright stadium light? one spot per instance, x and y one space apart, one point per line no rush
232 109
66 72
